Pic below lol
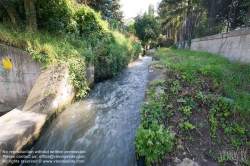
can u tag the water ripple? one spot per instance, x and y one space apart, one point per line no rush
104 124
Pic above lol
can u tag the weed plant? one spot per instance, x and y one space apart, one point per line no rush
153 139
198 83
232 77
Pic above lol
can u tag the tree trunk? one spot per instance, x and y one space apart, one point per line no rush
248 13
12 13
30 12
189 7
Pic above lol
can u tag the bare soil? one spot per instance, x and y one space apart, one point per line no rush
196 144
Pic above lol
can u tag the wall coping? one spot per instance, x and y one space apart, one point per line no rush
242 31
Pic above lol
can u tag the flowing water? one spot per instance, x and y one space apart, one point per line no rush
104 124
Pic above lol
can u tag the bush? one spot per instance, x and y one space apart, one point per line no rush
165 42
114 51
89 22
154 143
53 16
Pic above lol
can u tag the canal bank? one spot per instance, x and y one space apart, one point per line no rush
22 126
104 124
37 97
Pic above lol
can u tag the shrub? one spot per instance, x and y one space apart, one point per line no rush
154 143
53 16
89 22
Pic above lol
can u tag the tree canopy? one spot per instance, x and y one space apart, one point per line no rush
29 10
147 27
52 15
197 18
108 8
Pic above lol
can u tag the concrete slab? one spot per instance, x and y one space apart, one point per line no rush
18 129
155 72
50 93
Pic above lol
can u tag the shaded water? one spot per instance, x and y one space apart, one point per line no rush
105 123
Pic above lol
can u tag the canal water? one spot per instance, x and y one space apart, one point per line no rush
102 127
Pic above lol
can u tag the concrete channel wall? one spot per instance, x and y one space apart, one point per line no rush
23 125
47 93
234 45
18 74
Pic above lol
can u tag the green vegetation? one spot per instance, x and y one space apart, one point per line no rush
231 77
131 27
172 13
206 17
206 97
147 27
153 140
68 32
109 8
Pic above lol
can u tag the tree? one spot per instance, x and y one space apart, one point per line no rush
30 12
151 9
43 14
8 6
187 19
108 8
131 27
173 12
147 28
53 16
116 10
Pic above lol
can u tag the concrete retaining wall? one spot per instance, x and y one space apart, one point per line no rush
17 81
234 45
90 75
51 92
22 126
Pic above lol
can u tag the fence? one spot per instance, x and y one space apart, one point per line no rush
212 17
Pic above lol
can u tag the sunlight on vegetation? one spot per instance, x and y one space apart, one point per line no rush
205 95
77 35
233 77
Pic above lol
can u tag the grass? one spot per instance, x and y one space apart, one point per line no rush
43 46
52 49
113 49
205 102
233 78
